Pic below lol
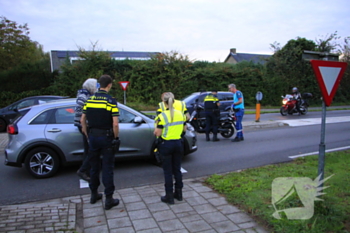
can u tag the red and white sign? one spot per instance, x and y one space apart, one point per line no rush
124 84
328 75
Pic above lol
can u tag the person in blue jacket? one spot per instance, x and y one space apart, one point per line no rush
238 107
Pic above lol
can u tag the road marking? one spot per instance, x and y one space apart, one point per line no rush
315 121
83 184
183 170
316 152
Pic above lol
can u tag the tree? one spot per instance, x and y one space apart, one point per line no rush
16 46
328 44
286 69
345 50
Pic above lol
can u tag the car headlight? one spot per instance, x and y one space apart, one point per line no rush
189 127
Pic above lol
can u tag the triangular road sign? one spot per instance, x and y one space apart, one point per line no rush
124 84
328 75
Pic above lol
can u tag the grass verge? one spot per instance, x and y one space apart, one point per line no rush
250 190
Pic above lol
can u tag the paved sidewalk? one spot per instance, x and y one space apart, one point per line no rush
140 210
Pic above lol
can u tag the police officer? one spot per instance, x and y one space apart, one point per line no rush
212 113
101 112
178 105
170 125
238 107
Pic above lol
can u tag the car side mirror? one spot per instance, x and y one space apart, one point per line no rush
138 120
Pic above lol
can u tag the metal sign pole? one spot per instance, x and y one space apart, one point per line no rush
124 98
322 147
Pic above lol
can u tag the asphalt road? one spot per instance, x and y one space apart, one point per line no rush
261 147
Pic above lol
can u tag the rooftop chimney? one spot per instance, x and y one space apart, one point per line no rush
233 50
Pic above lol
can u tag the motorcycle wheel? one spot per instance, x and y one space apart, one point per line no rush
306 109
230 132
283 111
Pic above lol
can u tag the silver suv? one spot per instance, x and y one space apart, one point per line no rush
44 138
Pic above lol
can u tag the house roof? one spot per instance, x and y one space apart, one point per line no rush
115 54
255 58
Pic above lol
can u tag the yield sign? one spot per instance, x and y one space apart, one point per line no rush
328 74
124 84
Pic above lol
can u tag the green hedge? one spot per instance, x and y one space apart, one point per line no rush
170 72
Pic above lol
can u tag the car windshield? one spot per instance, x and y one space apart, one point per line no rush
149 116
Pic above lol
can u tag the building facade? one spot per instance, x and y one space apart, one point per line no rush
58 57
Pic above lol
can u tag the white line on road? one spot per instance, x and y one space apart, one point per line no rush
315 121
316 152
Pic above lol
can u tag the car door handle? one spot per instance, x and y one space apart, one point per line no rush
54 130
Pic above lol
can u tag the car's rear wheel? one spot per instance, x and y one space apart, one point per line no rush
2 125
304 110
42 162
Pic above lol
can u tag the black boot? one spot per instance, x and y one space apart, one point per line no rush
207 138
178 194
83 175
168 198
215 138
110 202
236 139
95 196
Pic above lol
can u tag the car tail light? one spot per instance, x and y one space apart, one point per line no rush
12 129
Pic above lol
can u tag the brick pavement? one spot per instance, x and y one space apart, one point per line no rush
140 210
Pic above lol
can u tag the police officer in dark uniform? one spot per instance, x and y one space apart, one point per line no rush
101 112
212 113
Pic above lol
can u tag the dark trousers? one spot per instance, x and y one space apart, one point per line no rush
239 127
172 152
211 122
101 145
85 167
297 105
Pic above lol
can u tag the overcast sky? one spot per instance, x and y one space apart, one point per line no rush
201 29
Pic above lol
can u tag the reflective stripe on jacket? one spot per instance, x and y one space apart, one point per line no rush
171 130
178 105
210 102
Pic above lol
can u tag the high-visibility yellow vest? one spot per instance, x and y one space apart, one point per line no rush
171 130
210 102
178 105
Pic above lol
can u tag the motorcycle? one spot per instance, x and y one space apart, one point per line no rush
289 104
226 125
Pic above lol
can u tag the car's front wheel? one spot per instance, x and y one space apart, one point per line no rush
42 162
283 111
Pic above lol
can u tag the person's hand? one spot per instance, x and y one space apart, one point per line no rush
116 144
